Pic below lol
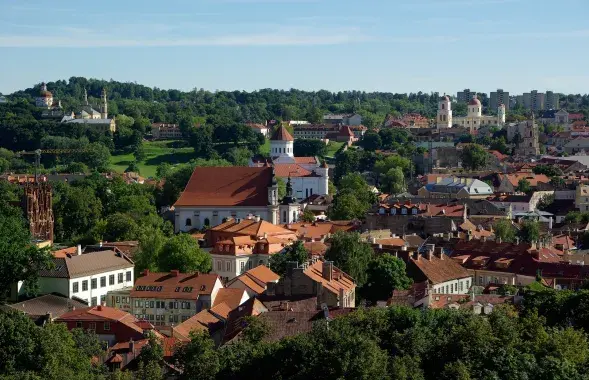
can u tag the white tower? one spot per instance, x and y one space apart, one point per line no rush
475 109
282 146
104 113
323 171
273 200
501 113
444 118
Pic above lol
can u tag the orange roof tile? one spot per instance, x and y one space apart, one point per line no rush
170 285
231 297
340 280
291 170
438 270
227 186
282 134
305 160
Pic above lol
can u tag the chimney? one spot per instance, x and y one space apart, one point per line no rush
257 218
99 307
341 298
79 249
373 240
132 347
499 240
145 272
174 272
328 270
550 224
517 240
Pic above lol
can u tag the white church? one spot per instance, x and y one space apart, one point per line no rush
307 175
474 118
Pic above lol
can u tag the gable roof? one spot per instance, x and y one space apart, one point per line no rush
256 279
230 297
281 134
203 320
339 280
87 264
57 305
174 285
292 170
102 313
227 186
439 269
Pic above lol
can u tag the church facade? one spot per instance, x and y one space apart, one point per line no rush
306 174
89 116
474 118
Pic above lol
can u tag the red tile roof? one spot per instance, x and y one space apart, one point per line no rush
174 285
292 170
227 186
339 280
346 131
439 269
282 134
230 297
305 160
102 313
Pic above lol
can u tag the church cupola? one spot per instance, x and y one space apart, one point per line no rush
289 208
444 116
282 144
475 109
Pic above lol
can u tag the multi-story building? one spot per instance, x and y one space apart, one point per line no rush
582 197
497 98
534 100
254 281
241 245
316 278
166 131
551 101
168 298
465 95
469 188
323 131
86 276
343 119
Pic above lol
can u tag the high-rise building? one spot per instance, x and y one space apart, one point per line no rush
465 95
499 97
551 101
534 100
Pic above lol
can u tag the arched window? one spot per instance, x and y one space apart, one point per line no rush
188 222
207 222
443 106
294 216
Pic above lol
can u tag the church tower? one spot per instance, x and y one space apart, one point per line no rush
85 97
289 208
444 118
273 199
104 113
282 146
323 172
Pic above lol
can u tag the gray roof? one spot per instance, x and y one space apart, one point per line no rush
87 264
49 303
454 185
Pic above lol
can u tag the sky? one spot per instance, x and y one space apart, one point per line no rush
370 45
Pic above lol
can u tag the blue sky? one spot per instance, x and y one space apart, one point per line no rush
371 45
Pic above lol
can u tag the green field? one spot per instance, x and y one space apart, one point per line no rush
156 152
333 147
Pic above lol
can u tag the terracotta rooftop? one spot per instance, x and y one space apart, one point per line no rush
102 313
305 160
281 134
174 285
249 227
227 186
532 178
204 320
439 269
292 170
230 297
256 279
339 281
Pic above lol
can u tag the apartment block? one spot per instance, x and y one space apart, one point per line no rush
499 97
465 95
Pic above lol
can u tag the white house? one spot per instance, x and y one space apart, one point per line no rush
215 194
86 276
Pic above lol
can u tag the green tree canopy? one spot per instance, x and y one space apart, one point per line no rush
350 254
474 157
385 274
295 252
182 252
504 230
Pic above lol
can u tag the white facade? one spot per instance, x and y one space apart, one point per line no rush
282 148
189 218
92 289
444 118
458 286
229 267
474 118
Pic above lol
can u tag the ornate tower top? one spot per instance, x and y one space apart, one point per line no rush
85 96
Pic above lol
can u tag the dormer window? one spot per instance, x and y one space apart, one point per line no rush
404 211
414 211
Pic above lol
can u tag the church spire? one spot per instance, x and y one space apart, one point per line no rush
85 96
104 114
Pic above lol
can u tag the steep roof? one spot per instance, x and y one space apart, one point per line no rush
339 280
204 320
227 186
49 303
87 264
439 269
250 227
174 285
230 297
292 170
256 279
281 134
102 313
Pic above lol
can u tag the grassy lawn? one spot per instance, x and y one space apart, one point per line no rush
156 152
333 147
265 149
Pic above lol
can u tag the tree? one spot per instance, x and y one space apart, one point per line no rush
394 181
505 231
20 259
198 358
151 243
523 186
182 252
281 187
76 211
163 170
295 252
347 207
385 274
97 157
238 156
499 145
474 157
139 152
77 167
309 148
308 216
132 168
350 254
530 231
371 141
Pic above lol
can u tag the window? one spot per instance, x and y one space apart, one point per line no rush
79 325
85 285
106 326
120 278
175 304
136 303
242 265
102 281
207 222
188 222
75 287
118 299
249 264
151 304
111 279
171 305
103 299
94 301
128 275
228 266
92 326
93 283
219 266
